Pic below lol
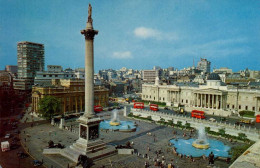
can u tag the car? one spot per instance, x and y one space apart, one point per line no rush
37 163
223 119
7 136
212 119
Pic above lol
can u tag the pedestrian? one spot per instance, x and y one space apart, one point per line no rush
211 158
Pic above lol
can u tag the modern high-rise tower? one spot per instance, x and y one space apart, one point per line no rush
30 58
204 65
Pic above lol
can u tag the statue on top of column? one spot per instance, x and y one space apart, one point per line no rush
89 13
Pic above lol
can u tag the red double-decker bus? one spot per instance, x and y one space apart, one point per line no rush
98 108
139 105
198 114
154 107
257 118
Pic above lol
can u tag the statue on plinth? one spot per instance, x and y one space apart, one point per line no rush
89 13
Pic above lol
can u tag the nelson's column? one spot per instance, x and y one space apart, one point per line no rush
89 142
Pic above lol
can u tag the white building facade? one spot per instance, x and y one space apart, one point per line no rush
213 98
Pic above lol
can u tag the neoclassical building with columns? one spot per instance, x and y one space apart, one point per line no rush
214 97
71 94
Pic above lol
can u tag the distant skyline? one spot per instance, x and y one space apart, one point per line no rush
136 34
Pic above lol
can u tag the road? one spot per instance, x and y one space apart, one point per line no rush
231 120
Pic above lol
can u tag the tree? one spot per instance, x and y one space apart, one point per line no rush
207 129
179 123
187 125
242 136
222 131
49 106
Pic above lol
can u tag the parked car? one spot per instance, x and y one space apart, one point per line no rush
7 136
22 155
37 163
212 119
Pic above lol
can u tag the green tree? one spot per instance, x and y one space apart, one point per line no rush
49 106
179 123
207 129
187 125
242 136
222 131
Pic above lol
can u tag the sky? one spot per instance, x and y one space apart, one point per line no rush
136 34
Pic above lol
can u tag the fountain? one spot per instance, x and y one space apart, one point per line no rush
114 119
116 125
201 146
201 142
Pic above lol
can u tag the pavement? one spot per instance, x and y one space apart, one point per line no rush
36 139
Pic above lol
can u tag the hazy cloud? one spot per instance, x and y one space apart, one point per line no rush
145 33
217 48
122 55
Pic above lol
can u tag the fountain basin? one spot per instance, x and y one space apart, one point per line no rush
200 144
114 123
124 126
185 147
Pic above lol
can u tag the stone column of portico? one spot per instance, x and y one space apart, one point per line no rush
89 34
200 100
81 104
221 101
76 102
208 95
217 100
205 102
64 105
213 101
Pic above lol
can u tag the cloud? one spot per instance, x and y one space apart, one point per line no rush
122 55
217 48
145 33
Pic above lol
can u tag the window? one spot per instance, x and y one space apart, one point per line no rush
239 106
56 75
253 108
150 97
186 101
163 98
44 75
160 98
182 100
246 107
233 106
153 98
50 75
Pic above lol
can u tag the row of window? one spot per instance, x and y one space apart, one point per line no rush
239 107
57 75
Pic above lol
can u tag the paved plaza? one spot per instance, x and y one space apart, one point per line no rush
148 139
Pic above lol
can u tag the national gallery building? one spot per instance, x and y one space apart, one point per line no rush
213 98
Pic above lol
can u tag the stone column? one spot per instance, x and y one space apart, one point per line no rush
217 101
221 101
65 103
208 95
81 104
200 100
89 34
205 101
76 103
213 101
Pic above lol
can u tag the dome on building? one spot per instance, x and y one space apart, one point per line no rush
213 76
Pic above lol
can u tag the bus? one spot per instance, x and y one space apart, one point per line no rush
198 114
154 107
98 108
257 118
139 105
